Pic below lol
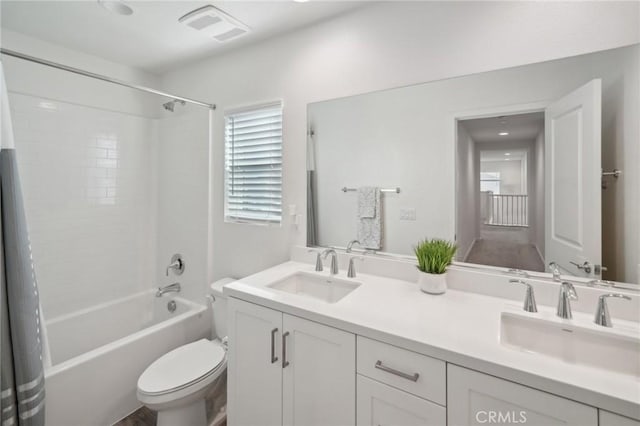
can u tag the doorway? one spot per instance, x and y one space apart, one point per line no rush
500 197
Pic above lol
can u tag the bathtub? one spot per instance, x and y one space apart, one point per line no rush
98 354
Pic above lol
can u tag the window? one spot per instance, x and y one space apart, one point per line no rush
490 181
253 164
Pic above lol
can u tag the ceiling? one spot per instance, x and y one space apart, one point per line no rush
151 38
521 127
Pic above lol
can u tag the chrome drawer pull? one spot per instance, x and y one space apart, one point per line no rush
412 377
274 358
285 363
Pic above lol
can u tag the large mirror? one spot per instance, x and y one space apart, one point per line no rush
520 167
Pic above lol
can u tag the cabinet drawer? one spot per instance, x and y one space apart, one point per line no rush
479 399
379 404
415 373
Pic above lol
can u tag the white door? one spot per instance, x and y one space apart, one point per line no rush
573 180
478 399
382 405
254 383
319 385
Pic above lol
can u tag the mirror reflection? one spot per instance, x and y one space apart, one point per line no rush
520 167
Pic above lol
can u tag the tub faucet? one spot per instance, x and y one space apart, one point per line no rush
334 260
171 288
567 293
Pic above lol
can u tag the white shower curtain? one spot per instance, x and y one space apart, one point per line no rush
21 341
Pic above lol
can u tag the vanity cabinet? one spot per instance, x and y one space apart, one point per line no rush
610 419
381 404
285 370
399 387
475 399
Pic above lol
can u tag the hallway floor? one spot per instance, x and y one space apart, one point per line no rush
506 254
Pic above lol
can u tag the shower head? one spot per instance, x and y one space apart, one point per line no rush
169 106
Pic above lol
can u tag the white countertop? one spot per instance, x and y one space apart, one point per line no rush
458 327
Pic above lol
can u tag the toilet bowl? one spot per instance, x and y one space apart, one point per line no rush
175 384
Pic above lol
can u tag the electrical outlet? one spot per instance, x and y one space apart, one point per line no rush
408 213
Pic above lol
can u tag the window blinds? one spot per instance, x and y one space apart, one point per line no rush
253 165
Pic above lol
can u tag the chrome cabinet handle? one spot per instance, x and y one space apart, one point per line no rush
274 358
413 377
284 350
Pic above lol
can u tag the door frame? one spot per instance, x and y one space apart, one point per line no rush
455 117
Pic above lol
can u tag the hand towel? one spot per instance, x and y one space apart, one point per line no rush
369 218
367 199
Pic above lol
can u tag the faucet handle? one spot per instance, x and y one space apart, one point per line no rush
602 312
318 259
351 273
529 299
570 289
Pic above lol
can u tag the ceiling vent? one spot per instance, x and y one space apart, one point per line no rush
215 23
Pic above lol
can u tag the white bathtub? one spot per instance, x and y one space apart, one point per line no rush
99 353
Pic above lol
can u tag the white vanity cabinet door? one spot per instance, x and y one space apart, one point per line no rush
478 399
254 384
610 419
319 386
382 405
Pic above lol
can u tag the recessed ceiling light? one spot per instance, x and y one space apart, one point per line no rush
507 153
116 6
503 133
300 1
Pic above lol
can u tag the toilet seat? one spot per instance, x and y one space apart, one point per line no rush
183 367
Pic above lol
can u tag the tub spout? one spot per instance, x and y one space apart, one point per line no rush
175 287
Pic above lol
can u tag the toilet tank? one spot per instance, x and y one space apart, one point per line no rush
219 325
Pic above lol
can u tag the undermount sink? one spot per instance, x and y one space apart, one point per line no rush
580 342
326 288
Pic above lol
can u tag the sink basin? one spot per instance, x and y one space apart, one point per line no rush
319 287
579 342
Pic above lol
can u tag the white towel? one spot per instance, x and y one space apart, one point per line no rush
369 218
367 200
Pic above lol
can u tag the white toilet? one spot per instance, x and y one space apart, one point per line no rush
175 384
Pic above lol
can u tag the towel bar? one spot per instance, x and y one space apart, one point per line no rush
396 190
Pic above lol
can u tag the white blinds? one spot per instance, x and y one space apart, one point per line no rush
253 165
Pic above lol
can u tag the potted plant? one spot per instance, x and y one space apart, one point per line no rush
433 258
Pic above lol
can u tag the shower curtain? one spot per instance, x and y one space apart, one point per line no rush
21 366
312 225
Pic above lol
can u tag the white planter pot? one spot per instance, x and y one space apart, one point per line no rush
432 283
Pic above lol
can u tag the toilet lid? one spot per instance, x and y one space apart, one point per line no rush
182 366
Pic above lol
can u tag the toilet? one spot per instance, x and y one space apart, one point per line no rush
175 385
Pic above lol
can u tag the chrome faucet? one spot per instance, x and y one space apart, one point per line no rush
171 288
529 299
602 313
553 266
334 260
567 293
350 245
177 264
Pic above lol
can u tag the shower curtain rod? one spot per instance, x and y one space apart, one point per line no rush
101 77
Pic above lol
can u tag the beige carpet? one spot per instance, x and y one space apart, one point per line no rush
506 254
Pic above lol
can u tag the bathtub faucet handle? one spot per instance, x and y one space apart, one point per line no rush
177 264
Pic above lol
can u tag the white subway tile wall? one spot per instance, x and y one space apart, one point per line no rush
89 182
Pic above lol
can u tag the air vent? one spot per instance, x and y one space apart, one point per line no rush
215 23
